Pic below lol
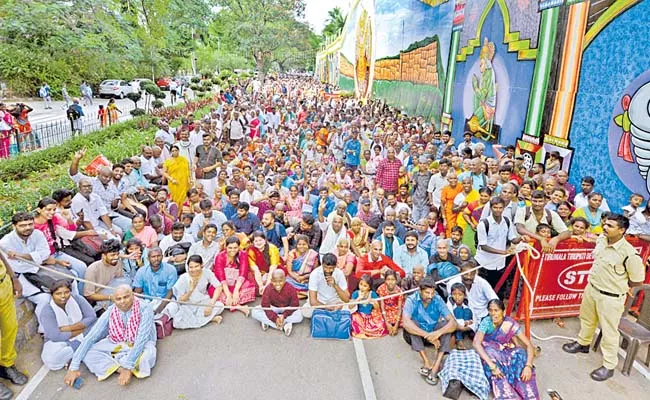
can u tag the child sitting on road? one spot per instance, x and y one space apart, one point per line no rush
457 304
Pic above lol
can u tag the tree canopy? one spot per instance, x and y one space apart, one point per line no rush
334 23
65 42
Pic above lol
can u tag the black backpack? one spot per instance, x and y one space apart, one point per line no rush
72 113
487 230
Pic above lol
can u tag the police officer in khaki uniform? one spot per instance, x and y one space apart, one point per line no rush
9 287
616 268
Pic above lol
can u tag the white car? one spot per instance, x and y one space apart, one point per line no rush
135 84
115 88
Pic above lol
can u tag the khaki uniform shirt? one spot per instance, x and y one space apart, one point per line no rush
609 273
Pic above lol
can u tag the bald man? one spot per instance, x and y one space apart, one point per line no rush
276 297
103 187
123 339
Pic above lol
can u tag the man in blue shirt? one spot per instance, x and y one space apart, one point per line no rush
230 209
410 254
352 151
156 279
275 232
427 321
245 221
323 196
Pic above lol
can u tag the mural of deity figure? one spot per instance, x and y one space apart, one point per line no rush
485 90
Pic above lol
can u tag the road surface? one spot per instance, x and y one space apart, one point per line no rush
237 360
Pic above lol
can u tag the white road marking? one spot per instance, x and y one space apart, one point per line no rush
33 384
364 370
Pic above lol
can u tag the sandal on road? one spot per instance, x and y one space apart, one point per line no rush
432 379
424 371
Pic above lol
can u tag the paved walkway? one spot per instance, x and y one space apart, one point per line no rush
236 360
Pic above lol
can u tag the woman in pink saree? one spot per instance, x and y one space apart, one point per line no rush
231 268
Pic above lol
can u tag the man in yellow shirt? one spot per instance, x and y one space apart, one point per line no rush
616 268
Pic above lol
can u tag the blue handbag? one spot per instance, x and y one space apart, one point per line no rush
331 324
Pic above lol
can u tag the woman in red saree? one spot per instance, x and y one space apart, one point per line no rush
231 268
254 125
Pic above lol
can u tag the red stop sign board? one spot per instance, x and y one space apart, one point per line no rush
559 278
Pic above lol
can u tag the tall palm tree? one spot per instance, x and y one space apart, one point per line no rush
334 22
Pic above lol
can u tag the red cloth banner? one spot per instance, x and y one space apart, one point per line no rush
559 278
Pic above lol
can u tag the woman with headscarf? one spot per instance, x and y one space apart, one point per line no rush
193 287
64 320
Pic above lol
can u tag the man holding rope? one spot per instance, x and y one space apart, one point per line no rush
617 267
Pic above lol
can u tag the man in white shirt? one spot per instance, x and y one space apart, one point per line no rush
495 235
88 205
437 182
166 133
237 129
250 194
582 199
479 292
26 249
327 286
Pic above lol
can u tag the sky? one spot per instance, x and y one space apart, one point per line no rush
316 11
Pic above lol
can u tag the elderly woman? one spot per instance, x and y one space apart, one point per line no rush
64 321
346 261
193 287
508 367
358 234
231 268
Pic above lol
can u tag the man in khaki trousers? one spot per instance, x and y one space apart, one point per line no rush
9 287
616 268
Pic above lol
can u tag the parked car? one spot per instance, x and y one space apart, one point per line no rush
163 83
114 88
136 83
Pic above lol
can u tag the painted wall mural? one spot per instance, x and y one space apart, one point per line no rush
571 76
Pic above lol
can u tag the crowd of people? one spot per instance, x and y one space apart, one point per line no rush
301 201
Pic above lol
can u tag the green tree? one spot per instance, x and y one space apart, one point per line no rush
334 23
260 28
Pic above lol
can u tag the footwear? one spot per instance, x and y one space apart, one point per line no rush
287 329
16 377
432 379
601 374
575 347
424 371
264 327
5 392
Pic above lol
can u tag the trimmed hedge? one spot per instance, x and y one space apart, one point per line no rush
47 170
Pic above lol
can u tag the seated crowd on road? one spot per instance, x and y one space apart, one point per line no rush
293 199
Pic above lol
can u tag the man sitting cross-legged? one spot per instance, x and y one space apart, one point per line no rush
280 296
123 339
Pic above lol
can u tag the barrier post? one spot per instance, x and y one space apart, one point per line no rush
526 293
